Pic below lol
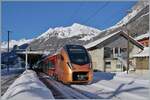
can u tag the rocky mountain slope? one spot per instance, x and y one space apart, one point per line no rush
136 22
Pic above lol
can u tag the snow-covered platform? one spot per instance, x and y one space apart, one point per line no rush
8 77
27 86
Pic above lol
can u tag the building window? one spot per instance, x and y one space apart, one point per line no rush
108 52
116 50
123 50
108 64
118 66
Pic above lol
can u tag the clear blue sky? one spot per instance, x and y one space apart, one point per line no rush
30 19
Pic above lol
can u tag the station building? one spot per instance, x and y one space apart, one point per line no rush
109 53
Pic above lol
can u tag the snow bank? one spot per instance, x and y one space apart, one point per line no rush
27 86
138 78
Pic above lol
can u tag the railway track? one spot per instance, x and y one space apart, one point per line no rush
6 83
59 90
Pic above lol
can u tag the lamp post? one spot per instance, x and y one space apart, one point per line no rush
26 59
8 51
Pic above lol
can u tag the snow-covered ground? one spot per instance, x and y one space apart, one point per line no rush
116 86
27 86
140 77
105 85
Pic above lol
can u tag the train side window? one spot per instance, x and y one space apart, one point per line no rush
50 65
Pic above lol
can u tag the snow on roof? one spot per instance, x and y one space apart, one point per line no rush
99 41
142 36
144 53
95 43
28 86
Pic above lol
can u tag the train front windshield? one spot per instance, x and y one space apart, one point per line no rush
78 54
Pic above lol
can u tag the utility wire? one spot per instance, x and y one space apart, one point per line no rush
113 17
96 12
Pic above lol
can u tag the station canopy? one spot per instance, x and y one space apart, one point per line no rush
33 56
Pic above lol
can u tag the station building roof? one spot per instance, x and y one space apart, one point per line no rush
33 56
110 38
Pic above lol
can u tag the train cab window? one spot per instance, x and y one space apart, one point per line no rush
78 55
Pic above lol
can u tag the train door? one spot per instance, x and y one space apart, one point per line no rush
50 68
60 66
57 70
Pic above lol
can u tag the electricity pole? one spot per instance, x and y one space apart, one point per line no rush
128 58
128 43
8 51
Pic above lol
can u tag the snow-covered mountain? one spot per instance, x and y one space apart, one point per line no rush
136 21
76 29
139 10
55 38
133 12
15 42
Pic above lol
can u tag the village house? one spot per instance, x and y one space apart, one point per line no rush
110 52
143 39
141 60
